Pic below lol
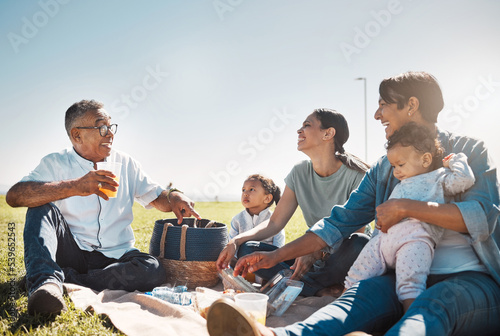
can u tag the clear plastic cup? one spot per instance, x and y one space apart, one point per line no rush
115 168
254 304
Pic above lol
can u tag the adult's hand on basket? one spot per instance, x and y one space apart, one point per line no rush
226 255
182 206
254 262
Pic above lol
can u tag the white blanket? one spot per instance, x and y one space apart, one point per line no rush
139 314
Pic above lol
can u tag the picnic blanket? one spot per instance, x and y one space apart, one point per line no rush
139 314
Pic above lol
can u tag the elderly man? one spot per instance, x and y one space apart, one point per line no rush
74 232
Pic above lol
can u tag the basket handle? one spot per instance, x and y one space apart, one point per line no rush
163 237
183 242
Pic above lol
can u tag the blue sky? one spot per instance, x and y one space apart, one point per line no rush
207 92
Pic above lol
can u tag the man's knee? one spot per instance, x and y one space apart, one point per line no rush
46 213
157 273
40 211
148 268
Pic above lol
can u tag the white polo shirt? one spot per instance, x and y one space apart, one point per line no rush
97 224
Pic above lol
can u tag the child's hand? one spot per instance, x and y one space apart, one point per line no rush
226 255
446 160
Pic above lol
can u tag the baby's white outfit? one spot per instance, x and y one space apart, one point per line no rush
243 222
409 245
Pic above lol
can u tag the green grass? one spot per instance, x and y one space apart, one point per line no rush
14 319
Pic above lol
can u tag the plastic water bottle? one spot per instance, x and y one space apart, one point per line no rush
162 293
177 295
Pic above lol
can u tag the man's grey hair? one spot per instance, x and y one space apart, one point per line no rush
78 110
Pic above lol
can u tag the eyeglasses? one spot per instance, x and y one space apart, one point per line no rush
104 129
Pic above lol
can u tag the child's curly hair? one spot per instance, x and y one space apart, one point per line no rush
420 138
269 187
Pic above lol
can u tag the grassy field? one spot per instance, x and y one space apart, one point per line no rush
14 318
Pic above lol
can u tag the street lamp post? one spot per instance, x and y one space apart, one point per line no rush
366 120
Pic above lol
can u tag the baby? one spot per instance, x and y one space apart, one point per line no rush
257 195
415 155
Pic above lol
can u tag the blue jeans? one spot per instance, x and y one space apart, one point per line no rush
52 255
333 272
466 303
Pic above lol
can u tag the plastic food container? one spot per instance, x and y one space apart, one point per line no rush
283 294
280 289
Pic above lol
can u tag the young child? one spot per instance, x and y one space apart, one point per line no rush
415 155
257 195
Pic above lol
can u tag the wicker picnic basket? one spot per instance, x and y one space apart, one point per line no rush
188 251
